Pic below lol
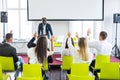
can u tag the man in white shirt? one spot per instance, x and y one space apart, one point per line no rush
102 46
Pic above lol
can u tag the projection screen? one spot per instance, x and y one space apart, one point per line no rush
65 10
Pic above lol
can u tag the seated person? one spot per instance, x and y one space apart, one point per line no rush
82 54
39 53
31 44
7 50
66 51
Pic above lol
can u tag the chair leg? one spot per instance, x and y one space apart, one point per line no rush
60 74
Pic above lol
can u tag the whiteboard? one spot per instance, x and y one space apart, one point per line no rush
65 10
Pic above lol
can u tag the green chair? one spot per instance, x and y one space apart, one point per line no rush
7 63
79 69
57 44
73 77
3 76
100 59
27 78
32 70
109 71
66 62
46 65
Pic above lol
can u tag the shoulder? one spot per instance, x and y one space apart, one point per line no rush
40 24
48 24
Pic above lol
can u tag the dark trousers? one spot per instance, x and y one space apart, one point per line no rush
93 71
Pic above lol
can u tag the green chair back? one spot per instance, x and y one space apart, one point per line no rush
28 78
32 70
1 73
81 78
80 69
45 65
3 76
66 62
7 63
100 59
110 71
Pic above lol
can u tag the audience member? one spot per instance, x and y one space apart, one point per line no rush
102 48
9 51
66 50
82 54
31 44
39 53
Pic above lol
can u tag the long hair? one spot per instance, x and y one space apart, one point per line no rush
83 48
41 49
66 43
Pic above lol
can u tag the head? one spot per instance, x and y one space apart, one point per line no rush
9 38
44 20
83 48
82 42
102 35
41 49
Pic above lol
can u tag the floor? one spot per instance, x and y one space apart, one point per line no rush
55 73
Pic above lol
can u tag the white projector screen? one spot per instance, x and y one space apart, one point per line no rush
65 10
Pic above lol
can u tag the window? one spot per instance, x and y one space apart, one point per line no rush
17 19
82 26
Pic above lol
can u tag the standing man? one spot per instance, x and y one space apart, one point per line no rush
44 28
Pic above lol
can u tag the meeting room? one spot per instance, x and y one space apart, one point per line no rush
59 39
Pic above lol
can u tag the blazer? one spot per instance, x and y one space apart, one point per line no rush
48 30
8 51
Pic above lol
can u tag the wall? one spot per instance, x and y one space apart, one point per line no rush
61 28
111 7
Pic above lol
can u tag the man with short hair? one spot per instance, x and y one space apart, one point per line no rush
45 29
102 46
7 50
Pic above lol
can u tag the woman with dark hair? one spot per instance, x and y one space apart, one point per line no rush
41 49
39 53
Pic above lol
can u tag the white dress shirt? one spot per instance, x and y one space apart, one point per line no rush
44 29
102 47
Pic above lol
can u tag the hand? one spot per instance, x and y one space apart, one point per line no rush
11 31
69 34
52 38
77 35
88 31
35 35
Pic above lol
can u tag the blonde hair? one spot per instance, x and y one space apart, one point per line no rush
83 48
